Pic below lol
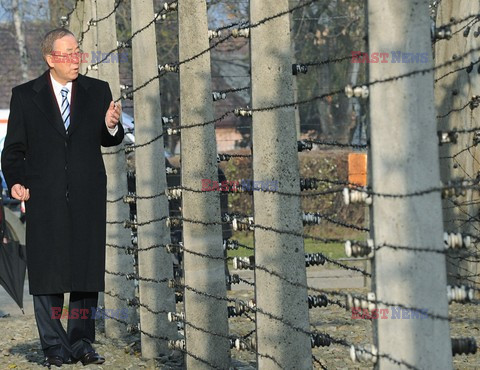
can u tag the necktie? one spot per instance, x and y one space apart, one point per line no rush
65 108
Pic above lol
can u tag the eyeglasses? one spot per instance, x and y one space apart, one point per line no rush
75 57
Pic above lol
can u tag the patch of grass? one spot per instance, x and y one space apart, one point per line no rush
331 250
243 238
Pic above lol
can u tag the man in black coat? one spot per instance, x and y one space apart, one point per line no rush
52 159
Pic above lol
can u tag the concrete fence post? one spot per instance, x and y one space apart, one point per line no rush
275 158
404 155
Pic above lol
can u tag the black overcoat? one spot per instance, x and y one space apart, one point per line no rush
64 170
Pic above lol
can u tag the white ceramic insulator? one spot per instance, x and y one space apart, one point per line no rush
357 302
356 196
371 301
170 7
460 294
168 68
349 91
311 218
228 218
173 193
218 96
365 92
346 196
172 131
357 91
174 317
361 303
170 171
160 17
445 240
242 112
349 302
241 32
238 262
370 243
213 34
348 248
166 120
177 344
361 355
456 240
239 345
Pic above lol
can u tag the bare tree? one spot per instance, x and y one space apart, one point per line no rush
17 17
57 9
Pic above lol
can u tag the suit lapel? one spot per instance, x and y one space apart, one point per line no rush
47 103
78 102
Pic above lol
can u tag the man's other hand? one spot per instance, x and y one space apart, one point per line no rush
20 193
113 114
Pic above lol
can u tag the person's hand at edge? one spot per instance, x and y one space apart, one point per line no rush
19 192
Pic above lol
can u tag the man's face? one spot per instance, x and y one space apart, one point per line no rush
65 59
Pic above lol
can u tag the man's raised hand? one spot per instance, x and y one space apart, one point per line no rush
113 114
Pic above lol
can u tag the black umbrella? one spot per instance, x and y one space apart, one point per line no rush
13 263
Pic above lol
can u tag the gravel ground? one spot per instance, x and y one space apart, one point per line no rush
337 322
20 348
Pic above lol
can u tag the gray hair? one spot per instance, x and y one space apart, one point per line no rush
49 40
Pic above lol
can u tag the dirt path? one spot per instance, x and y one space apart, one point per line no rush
20 348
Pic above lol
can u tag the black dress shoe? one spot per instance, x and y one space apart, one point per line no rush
91 357
53 360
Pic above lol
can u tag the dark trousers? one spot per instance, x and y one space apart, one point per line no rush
80 334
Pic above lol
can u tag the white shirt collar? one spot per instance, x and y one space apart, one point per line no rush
57 87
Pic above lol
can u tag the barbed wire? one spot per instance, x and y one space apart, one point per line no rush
314 98
460 152
283 320
123 44
250 226
287 323
316 360
150 335
454 110
95 21
185 322
135 249
211 47
472 185
463 269
337 144
69 14
233 90
471 65
253 266
454 22
328 61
